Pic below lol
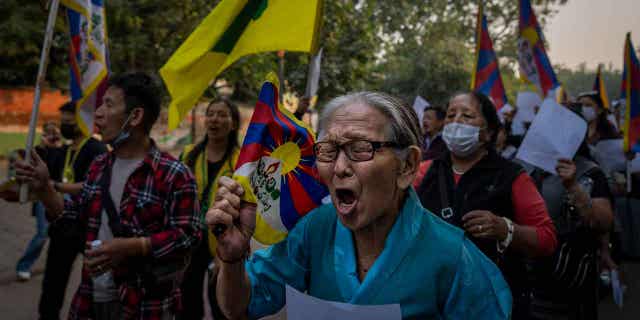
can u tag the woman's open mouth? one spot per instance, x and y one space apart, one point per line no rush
347 201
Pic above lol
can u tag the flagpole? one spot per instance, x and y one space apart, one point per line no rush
628 176
281 74
193 124
42 71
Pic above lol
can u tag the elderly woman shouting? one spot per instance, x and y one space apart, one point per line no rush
374 244
491 198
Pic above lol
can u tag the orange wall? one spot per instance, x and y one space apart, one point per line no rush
16 103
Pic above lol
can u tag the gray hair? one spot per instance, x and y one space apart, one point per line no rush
403 127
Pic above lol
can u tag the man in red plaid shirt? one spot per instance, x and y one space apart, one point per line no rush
139 202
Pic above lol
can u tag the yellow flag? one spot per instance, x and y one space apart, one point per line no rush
233 29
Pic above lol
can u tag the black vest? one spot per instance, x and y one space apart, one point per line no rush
486 186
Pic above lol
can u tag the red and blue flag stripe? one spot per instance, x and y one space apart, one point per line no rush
486 74
630 93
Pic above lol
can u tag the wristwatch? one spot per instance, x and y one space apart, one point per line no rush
504 244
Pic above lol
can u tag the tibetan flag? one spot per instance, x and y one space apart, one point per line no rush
88 58
600 88
486 74
535 66
276 167
630 94
236 28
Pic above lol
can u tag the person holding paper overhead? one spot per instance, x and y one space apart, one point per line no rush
374 244
491 198
578 199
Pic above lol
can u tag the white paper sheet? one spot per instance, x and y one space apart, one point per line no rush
506 108
555 133
304 307
612 119
526 101
313 76
418 105
616 287
610 156
635 164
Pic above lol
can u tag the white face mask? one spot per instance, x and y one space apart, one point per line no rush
589 113
461 139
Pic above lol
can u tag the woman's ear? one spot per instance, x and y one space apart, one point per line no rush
409 167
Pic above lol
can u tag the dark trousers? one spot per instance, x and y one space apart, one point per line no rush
62 253
192 284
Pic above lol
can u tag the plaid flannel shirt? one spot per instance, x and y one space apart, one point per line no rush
159 201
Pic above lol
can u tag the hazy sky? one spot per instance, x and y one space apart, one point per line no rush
592 31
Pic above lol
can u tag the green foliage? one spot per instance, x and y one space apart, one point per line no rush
21 35
430 43
144 33
582 79
10 141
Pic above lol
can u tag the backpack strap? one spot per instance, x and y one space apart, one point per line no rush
108 205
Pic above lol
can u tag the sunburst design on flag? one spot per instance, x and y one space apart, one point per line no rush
277 165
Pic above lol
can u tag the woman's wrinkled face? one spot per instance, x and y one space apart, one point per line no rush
219 121
464 109
362 192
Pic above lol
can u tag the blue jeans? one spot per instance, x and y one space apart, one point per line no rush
34 248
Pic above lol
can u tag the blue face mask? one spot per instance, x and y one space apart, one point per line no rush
123 135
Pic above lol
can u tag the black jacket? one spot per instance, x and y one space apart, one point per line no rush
486 186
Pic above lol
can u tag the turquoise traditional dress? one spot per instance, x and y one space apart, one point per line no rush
427 266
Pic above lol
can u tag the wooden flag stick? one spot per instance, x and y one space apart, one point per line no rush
42 71
628 176
281 75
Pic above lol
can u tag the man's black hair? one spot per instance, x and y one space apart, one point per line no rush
440 113
68 107
140 90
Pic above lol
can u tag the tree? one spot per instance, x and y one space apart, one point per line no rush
429 44
582 79
21 35
405 47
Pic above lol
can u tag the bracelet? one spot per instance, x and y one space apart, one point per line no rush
504 244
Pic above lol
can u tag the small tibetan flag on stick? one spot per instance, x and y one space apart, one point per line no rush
276 167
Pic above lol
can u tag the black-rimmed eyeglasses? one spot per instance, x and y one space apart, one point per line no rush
356 150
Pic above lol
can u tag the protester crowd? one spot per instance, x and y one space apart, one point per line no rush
435 214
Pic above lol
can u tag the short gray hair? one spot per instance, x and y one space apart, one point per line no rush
403 127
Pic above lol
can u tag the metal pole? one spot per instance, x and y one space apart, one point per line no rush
281 74
193 124
628 176
42 71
